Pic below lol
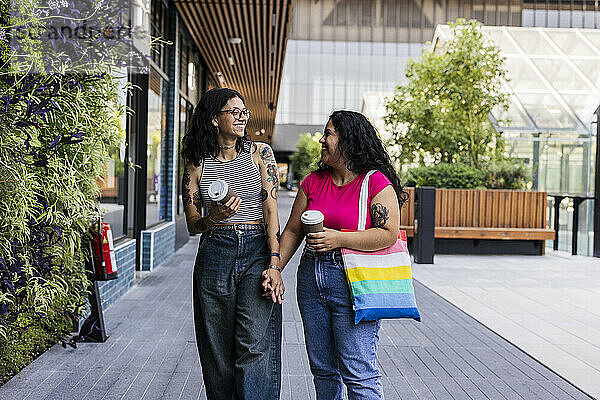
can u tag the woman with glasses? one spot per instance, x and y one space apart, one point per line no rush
238 331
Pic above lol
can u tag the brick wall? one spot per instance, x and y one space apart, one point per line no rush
157 244
111 290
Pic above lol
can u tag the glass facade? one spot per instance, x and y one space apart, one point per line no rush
192 83
341 50
157 120
113 184
351 54
320 76
555 90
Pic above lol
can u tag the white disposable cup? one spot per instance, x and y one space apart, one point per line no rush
220 192
312 221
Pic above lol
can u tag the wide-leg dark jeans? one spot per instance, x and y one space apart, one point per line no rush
238 331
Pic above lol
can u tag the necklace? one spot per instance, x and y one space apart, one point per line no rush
226 147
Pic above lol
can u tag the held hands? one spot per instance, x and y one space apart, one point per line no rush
329 239
220 212
273 285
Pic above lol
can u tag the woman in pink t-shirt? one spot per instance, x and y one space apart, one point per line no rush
339 351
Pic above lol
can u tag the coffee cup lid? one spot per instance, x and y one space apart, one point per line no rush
218 190
312 217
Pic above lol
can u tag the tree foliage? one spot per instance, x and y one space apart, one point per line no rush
307 155
442 113
445 175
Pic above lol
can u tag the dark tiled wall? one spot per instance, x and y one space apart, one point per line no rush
111 290
157 245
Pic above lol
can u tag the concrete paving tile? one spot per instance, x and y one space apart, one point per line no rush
438 390
302 388
419 387
101 387
175 385
152 350
41 390
389 391
386 364
82 386
194 386
432 364
563 392
157 387
473 391
488 389
584 352
403 388
286 391
138 386
120 386
454 389
68 382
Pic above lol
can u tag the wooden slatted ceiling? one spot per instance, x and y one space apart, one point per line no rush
263 26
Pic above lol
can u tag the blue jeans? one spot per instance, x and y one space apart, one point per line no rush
238 331
338 350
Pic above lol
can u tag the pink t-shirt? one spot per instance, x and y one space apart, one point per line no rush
339 204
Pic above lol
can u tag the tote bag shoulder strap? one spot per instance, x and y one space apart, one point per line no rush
363 201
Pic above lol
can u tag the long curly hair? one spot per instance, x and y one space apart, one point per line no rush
362 149
200 140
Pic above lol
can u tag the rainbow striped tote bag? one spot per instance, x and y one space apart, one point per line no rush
380 281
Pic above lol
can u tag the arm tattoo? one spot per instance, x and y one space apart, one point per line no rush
268 159
263 195
272 174
379 215
185 190
201 225
266 154
197 202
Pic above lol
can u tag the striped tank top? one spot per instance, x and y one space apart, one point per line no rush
243 176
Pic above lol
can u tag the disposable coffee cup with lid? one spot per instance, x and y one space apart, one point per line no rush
220 192
312 221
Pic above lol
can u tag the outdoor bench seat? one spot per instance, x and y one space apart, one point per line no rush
493 233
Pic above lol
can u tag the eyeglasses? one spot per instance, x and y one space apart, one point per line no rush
237 113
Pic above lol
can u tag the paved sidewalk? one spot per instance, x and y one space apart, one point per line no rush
151 353
548 306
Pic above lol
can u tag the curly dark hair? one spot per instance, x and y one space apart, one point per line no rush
200 140
362 149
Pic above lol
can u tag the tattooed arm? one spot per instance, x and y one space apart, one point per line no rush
192 203
264 158
385 224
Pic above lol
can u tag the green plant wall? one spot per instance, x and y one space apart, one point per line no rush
56 131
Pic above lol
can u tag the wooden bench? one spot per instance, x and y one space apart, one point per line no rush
509 215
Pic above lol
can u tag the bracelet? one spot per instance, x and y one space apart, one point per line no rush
275 267
275 255
212 220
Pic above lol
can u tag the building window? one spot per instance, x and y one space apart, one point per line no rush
159 28
192 82
157 119
113 191
113 184
186 110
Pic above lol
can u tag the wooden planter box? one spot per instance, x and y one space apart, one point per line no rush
485 221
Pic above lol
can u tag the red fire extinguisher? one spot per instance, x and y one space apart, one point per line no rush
105 263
